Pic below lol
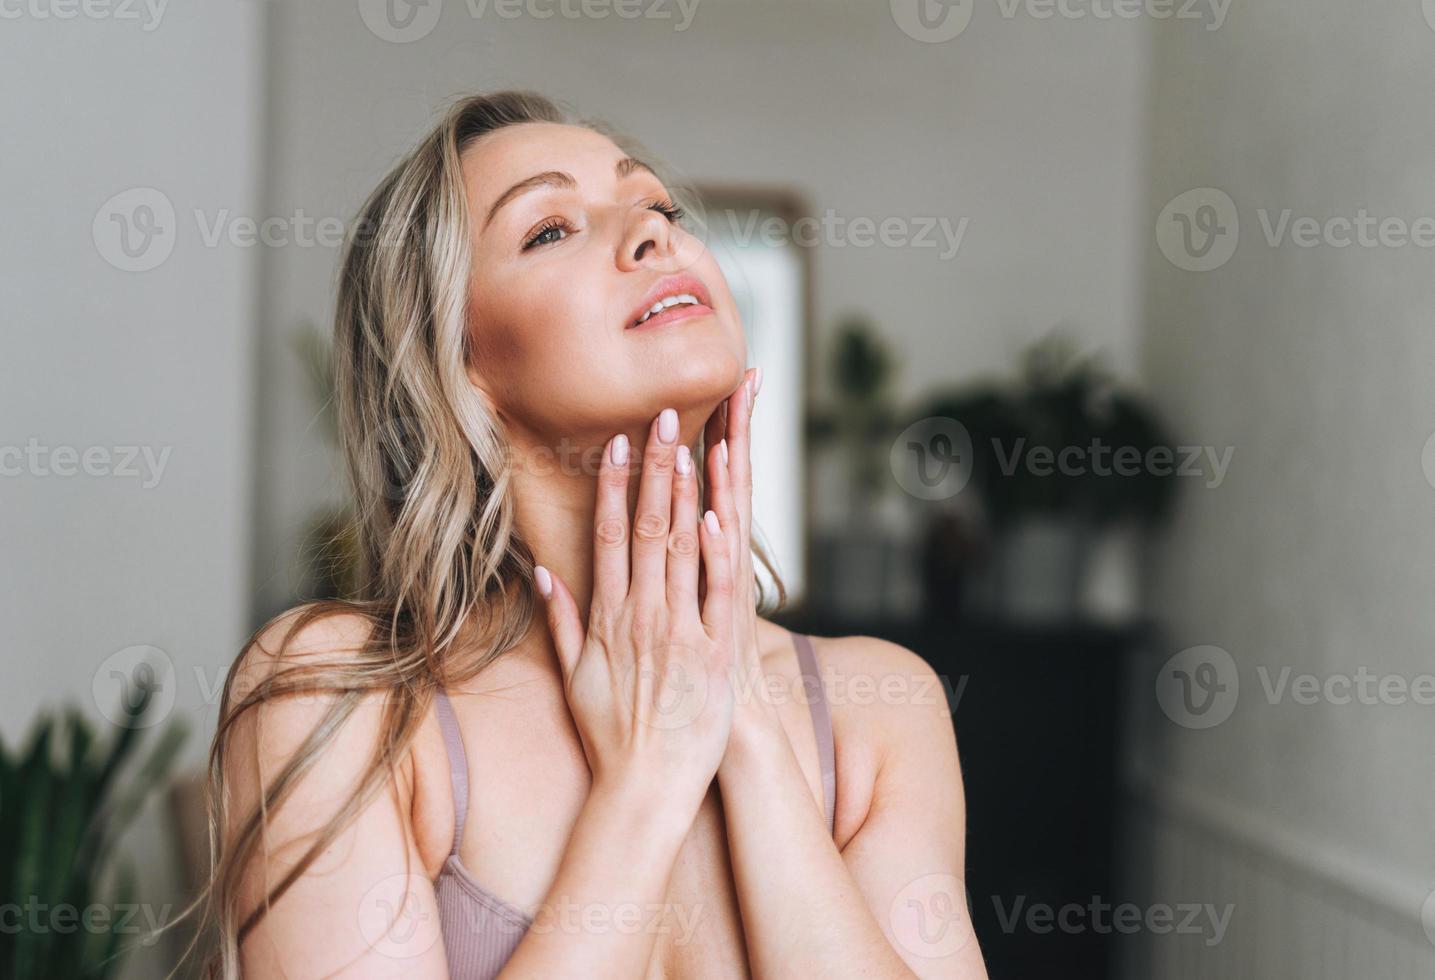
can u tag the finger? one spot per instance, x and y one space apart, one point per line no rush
564 623
653 518
739 445
717 566
716 423
720 499
683 545
610 526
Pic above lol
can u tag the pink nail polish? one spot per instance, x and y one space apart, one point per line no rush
685 460
711 521
544 580
619 451
757 382
722 448
667 425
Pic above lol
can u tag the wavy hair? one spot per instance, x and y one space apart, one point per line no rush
446 582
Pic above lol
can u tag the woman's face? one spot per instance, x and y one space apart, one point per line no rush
570 248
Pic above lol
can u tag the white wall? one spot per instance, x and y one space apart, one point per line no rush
1030 129
1313 363
100 358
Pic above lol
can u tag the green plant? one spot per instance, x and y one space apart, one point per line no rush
64 801
1061 400
862 420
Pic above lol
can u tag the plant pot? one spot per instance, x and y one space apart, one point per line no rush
1041 565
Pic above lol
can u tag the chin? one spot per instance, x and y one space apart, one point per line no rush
705 373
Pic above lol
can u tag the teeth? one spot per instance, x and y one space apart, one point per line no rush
668 301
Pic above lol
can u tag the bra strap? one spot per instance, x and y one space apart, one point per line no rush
821 724
457 764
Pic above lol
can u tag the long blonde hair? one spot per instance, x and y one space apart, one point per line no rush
443 569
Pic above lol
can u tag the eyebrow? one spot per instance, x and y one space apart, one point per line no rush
557 178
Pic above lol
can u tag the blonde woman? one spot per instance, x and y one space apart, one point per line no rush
552 737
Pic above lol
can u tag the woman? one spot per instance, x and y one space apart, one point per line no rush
552 737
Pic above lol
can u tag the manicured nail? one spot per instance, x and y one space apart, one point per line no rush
722 448
757 382
711 522
667 425
544 580
685 460
619 452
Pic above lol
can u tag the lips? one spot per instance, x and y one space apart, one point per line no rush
665 288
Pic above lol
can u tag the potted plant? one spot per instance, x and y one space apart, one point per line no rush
860 558
1043 471
65 799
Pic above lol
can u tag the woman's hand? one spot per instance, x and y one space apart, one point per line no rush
648 681
729 490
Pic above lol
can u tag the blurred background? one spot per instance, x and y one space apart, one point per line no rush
1098 336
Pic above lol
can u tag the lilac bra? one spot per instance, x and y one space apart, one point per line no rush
480 930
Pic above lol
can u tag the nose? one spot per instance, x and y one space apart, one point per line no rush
648 238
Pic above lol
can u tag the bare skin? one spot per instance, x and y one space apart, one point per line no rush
712 830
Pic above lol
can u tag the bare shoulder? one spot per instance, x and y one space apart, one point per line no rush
882 685
294 727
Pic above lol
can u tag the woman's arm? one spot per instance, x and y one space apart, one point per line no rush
806 909
893 902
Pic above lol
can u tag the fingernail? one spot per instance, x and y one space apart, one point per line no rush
667 425
711 522
619 452
685 460
722 448
757 382
544 580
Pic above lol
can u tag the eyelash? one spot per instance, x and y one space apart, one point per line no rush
662 205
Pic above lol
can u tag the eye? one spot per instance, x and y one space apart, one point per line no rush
548 233
667 209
